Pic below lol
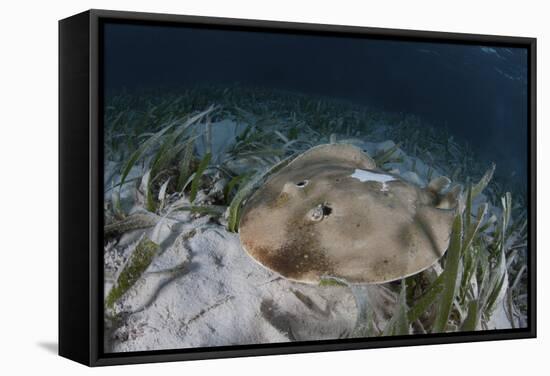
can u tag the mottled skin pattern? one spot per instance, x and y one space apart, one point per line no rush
312 220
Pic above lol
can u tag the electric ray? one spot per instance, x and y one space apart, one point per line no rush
331 213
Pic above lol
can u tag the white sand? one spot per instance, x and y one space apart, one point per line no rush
206 291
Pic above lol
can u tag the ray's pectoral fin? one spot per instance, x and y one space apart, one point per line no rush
295 189
435 227
450 199
343 153
290 191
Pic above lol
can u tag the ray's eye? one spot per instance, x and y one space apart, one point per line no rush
319 212
302 184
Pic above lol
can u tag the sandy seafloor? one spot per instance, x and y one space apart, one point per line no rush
203 289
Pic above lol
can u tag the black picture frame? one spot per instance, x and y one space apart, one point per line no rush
80 188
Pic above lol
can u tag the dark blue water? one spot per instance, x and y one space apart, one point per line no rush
478 92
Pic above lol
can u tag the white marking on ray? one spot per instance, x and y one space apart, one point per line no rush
364 176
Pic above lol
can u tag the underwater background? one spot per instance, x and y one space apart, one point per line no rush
478 92
195 119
